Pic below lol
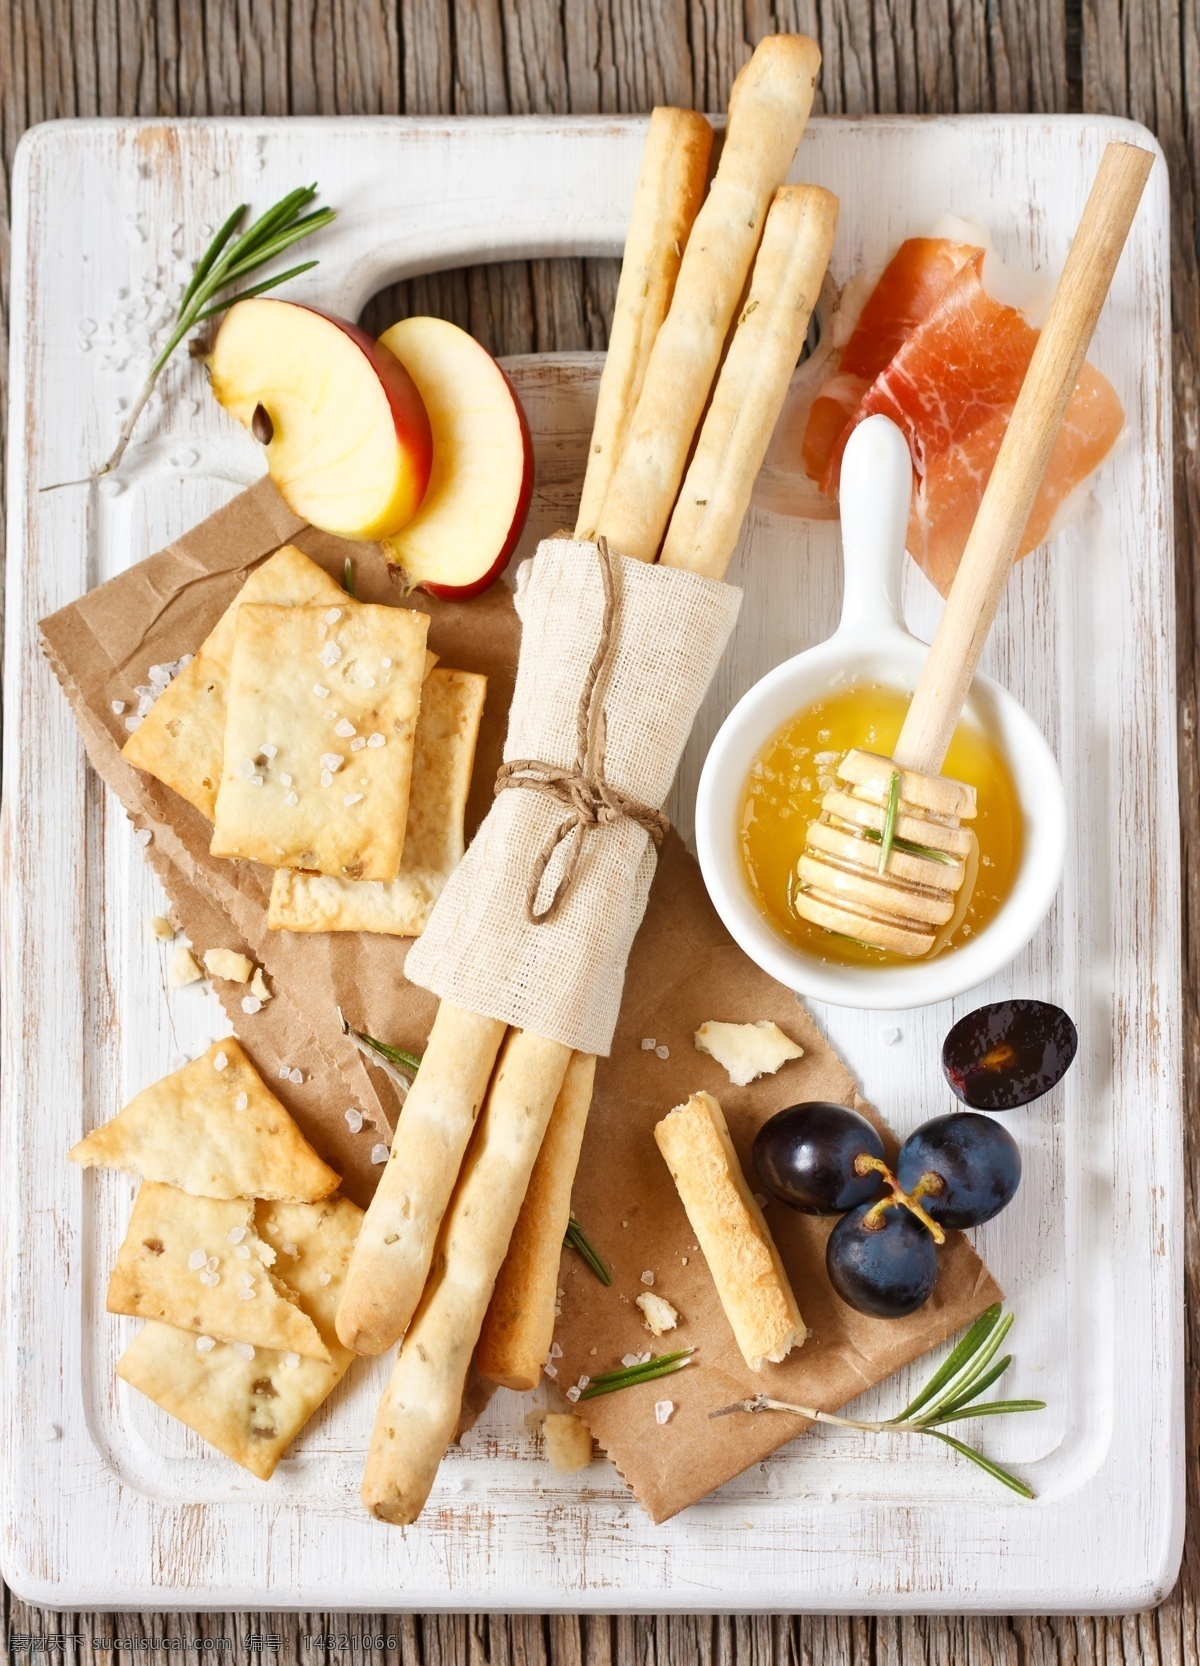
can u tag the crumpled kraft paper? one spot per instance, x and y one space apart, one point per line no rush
683 969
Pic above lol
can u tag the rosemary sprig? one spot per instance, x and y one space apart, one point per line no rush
400 1066
227 260
663 1365
908 845
889 821
575 1239
950 1396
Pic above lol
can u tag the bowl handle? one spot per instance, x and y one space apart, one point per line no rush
876 486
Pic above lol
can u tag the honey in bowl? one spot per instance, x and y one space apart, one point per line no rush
793 770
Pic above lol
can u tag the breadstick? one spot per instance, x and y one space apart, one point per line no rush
767 111
393 1251
519 1328
419 1410
670 185
730 1229
753 381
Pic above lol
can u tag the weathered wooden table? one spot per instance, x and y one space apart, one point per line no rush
277 57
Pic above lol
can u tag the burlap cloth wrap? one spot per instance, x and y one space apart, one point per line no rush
562 978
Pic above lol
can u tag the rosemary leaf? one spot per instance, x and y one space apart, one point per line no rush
910 846
394 1055
348 577
889 821
664 1366
995 1470
953 1363
574 1238
207 260
992 1408
981 1387
255 289
965 1385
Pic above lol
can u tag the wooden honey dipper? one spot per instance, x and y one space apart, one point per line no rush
855 878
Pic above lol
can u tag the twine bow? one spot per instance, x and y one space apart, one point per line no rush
591 799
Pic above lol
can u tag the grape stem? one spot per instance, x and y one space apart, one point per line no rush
929 1185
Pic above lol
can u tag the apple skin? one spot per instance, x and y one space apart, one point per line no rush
463 592
449 365
410 420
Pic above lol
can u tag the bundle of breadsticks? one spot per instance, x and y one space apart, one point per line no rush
623 626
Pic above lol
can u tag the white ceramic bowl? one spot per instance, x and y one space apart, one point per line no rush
871 643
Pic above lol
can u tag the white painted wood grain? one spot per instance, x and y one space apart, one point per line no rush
125 1508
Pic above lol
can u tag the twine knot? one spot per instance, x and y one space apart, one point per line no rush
591 799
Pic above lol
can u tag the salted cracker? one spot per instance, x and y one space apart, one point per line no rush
180 739
214 1129
250 1403
319 730
198 1263
434 841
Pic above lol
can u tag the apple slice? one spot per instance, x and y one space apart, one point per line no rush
460 539
347 438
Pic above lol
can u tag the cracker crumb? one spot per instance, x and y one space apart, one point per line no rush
747 1051
660 1316
161 928
568 1442
228 964
258 985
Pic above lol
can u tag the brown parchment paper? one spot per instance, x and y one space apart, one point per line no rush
684 969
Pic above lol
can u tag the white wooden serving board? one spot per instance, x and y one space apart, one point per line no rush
106 1503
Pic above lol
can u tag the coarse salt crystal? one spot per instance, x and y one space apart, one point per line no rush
118 707
379 1153
331 760
243 1350
235 1233
663 1052
211 1279
212 1263
354 1120
357 744
324 1277
376 740
630 1359
290 798
584 1380
344 728
220 1061
331 716
572 1395
647 1277
327 778
550 1370
648 1044
132 723
196 1260
245 1295
663 1410
321 692
245 1280
333 615
245 769
143 836
268 750
255 781
289 1249
291 1361
555 1351
204 1344
890 1036
251 1004
239 1104
329 655
242 1252
285 1071
351 798
296 1075
285 778
385 662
